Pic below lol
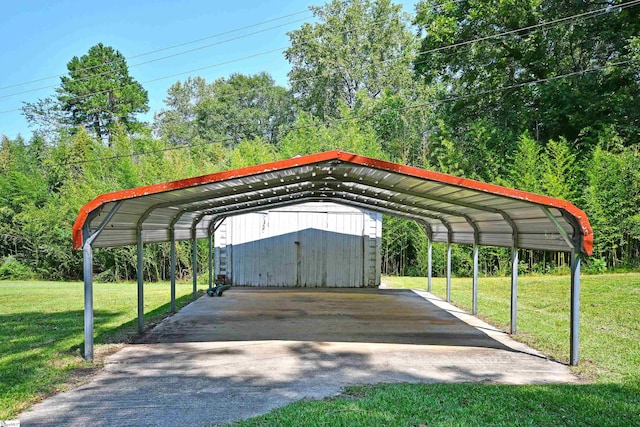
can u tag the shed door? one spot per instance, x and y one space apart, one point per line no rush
328 254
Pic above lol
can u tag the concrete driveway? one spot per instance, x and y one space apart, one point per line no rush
230 358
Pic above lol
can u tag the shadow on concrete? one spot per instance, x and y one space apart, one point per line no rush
242 355
395 316
201 387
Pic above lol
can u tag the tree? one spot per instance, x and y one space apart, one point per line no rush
310 135
241 107
461 53
558 178
354 46
612 199
97 94
176 123
526 173
244 108
402 130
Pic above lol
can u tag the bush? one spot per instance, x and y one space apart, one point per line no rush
596 266
11 268
107 276
523 267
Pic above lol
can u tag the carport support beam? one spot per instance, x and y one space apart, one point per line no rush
140 282
87 253
172 268
514 290
575 307
449 271
210 259
429 264
475 280
194 264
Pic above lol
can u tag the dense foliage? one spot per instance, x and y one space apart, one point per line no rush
551 109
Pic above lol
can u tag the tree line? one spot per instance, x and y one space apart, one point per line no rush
537 95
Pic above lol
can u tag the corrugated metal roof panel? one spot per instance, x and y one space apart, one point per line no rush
354 180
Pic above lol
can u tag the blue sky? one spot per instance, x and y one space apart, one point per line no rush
39 37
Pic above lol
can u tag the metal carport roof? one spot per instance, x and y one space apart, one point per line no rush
452 209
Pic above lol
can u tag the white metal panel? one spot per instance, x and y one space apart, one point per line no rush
340 260
312 245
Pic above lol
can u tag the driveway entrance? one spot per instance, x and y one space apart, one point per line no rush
224 359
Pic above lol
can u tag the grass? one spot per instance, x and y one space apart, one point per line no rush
41 326
609 316
41 332
464 405
609 363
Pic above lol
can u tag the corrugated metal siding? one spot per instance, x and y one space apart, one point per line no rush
309 245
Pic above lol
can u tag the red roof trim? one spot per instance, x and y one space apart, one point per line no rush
585 227
581 217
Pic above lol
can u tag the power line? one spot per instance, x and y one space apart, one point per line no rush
556 22
219 64
167 57
346 119
176 74
604 10
167 48
186 44
244 58
536 27
155 59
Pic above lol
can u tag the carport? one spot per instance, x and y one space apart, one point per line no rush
452 210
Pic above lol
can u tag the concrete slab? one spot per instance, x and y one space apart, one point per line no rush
229 358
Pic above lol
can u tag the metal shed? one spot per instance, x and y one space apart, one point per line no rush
312 244
452 210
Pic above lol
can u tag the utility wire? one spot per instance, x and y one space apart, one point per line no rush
259 89
244 58
176 74
171 56
188 43
166 48
584 15
155 59
345 119
604 10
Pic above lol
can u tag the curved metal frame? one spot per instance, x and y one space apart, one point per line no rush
316 177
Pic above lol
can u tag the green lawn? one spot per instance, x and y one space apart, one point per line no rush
609 363
41 326
609 316
41 332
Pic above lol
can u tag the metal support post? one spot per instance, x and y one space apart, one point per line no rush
210 259
172 268
449 271
140 282
575 307
514 290
429 264
87 258
87 254
474 284
194 264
